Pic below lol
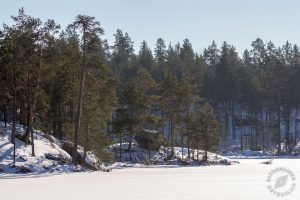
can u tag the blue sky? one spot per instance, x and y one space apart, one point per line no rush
236 21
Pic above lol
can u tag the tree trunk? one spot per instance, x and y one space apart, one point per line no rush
263 129
278 130
26 136
33 93
79 105
130 145
287 130
267 127
71 109
149 154
32 143
256 130
182 143
23 113
241 128
233 121
188 145
5 115
193 154
206 139
172 136
295 131
251 138
60 133
120 147
226 122
86 141
30 118
13 137
188 123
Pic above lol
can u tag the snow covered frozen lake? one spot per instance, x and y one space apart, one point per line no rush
244 181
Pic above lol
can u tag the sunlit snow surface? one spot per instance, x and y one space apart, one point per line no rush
246 181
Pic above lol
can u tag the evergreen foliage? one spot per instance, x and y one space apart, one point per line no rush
72 84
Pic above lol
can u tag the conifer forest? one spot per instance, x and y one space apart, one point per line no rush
71 101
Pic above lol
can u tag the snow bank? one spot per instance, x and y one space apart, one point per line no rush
143 158
49 155
247 154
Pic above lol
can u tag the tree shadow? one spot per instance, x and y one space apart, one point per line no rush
35 175
4 144
21 176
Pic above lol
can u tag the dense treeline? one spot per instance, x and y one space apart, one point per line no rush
72 84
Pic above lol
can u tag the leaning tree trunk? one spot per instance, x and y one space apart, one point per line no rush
78 117
79 106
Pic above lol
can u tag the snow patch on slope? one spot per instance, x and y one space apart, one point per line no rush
49 156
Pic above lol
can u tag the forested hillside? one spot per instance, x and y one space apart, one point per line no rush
72 84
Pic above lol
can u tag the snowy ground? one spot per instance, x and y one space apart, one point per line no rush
246 181
49 155
140 157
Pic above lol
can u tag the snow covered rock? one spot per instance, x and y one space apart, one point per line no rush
49 154
144 158
90 161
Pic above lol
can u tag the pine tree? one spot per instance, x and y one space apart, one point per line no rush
168 102
11 76
61 83
145 57
122 52
206 126
160 53
137 98
211 57
89 27
31 37
99 100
